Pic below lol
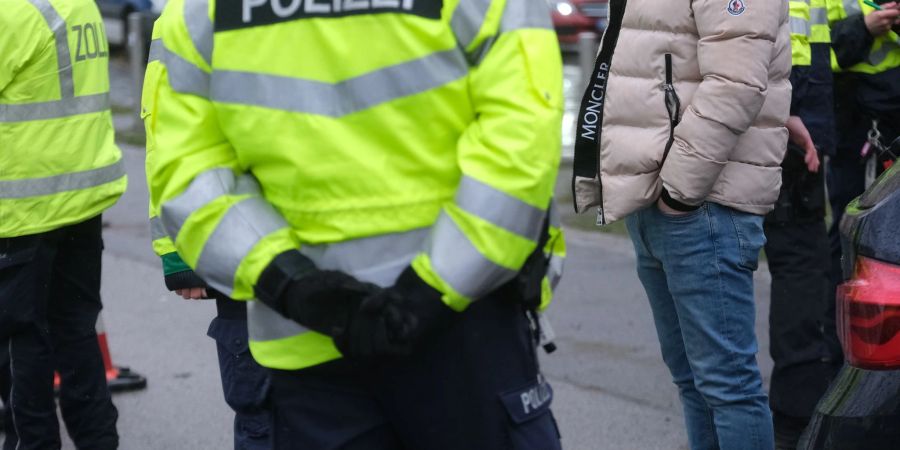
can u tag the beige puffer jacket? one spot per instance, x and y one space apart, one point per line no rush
728 63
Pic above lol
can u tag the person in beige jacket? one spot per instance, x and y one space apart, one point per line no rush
681 133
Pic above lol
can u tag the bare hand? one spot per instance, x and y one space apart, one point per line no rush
192 293
800 136
879 23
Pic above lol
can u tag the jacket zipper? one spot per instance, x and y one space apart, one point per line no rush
673 107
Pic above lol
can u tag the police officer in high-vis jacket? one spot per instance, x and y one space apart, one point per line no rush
866 63
59 170
378 176
797 240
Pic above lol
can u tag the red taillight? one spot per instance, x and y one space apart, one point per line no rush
868 309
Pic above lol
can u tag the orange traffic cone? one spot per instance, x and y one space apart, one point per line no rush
119 378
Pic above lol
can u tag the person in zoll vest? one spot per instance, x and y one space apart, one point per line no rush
682 134
59 170
796 235
374 179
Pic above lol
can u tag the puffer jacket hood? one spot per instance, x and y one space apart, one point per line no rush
690 96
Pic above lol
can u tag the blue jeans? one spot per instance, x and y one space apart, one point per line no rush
697 270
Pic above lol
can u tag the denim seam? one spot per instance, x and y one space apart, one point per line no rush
742 244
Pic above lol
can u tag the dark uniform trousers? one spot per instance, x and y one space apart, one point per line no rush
49 303
475 386
245 383
800 320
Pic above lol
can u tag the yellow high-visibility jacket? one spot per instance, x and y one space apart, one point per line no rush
884 54
368 135
59 164
801 54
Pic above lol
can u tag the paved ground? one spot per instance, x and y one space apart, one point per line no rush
612 390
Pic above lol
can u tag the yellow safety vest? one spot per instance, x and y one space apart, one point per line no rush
820 31
368 135
59 164
801 55
885 52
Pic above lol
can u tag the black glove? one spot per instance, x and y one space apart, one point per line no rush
321 300
396 321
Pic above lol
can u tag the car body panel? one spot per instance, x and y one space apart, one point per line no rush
861 409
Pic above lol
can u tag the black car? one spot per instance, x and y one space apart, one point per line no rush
861 409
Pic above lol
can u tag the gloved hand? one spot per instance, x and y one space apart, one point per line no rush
321 300
396 321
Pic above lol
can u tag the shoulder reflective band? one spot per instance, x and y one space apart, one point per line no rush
852 7
590 116
64 60
467 20
200 27
36 187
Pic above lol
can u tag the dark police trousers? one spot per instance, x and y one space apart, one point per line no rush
476 386
245 383
797 252
49 303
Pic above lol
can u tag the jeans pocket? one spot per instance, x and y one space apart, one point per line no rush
688 216
532 426
751 237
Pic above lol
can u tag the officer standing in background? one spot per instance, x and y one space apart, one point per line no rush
797 239
245 384
379 176
867 104
59 170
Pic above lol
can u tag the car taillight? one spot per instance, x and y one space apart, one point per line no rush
868 309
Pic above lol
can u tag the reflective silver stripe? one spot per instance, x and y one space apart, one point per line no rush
185 77
241 228
346 97
499 208
54 109
878 56
205 188
157 230
460 264
64 60
376 259
265 324
526 14
35 187
467 20
800 26
852 7
156 51
818 16
554 215
196 18
555 270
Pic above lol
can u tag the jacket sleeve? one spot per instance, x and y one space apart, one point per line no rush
851 40
508 156
734 55
220 224
21 31
177 274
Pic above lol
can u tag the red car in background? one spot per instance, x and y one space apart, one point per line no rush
571 17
